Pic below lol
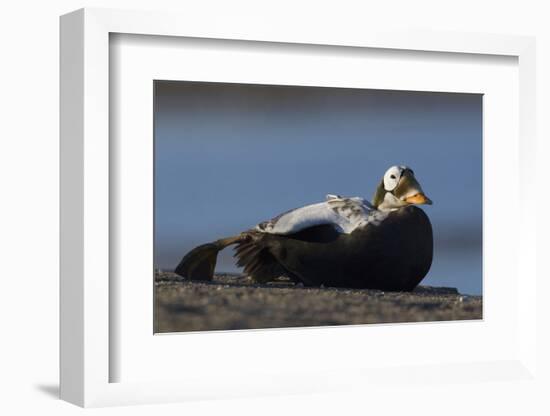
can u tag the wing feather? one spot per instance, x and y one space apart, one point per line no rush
344 214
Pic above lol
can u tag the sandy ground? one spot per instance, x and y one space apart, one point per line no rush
234 302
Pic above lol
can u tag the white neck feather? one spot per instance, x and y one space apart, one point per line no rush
390 203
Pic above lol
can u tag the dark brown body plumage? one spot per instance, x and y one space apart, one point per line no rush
395 255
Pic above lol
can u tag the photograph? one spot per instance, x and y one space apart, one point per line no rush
279 206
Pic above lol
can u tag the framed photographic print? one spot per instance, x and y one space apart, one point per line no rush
292 201
229 155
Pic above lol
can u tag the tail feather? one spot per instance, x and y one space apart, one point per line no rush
255 256
246 253
246 250
253 266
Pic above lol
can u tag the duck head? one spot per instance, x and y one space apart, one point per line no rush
399 188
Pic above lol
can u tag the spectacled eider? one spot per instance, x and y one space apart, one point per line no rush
342 242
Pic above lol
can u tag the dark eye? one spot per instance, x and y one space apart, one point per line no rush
392 176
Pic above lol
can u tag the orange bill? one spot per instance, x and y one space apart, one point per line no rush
419 198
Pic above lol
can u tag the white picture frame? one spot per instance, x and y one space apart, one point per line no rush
87 301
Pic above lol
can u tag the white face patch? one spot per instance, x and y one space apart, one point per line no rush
392 176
